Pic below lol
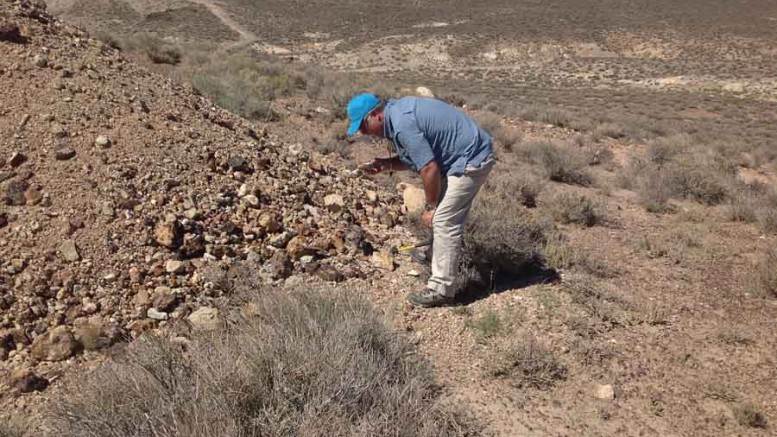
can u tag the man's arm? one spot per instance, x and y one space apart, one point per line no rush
393 163
430 175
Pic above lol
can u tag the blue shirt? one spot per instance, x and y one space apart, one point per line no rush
427 129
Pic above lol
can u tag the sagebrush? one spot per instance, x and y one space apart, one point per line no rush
300 362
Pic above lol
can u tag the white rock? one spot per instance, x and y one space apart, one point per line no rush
205 318
334 202
423 91
174 266
604 391
152 313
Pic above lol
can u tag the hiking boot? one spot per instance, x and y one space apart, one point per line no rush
429 298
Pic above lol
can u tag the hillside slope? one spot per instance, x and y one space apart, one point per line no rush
125 194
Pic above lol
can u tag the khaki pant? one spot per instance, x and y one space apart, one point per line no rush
450 218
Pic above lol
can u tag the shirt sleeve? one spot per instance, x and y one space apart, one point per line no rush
414 142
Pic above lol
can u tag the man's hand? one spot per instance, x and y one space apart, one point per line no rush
427 218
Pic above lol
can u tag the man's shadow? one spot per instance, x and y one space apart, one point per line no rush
533 274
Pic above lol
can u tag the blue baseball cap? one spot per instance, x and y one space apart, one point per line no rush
358 108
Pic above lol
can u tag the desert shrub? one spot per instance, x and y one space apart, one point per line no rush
502 237
507 136
554 116
157 50
489 121
501 234
527 361
748 415
608 130
681 167
521 184
300 362
558 162
559 254
246 86
597 154
575 208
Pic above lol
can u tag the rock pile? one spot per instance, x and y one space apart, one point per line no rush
122 195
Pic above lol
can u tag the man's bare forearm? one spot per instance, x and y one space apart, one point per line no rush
430 175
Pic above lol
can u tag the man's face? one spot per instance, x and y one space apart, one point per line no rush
372 124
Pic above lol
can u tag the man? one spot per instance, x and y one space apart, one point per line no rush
453 156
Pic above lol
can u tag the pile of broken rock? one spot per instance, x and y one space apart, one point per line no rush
123 195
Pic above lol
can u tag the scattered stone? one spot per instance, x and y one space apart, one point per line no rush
56 345
334 202
281 240
156 315
59 131
26 381
238 163
10 32
298 248
135 275
280 265
17 159
14 192
3 220
252 200
174 266
193 247
372 196
102 141
107 210
383 260
193 214
25 119
165 300
414 273
65 153
604 391
205 318
328 273
69 251
169 234
269 223
41 61
32 196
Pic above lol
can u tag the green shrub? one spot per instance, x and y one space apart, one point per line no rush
300 362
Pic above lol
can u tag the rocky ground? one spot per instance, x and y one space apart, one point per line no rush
125 195
128 198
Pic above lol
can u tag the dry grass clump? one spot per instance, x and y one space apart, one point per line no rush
748 415
521 184
157 50
528 362
682 166
575 208
560 163
300 362
767 274
246 86
549 115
